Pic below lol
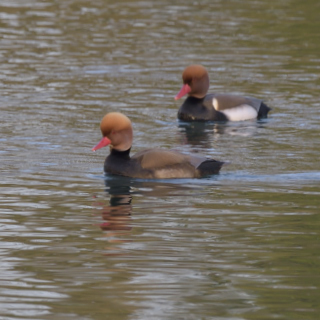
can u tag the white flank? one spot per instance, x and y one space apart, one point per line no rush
243 112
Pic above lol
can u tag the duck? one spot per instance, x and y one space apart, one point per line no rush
156 163
201 106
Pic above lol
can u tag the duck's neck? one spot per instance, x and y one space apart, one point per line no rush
120 154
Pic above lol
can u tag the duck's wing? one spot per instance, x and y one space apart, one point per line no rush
159 158
223 102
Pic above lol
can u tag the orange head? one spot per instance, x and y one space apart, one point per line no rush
195 82
116 131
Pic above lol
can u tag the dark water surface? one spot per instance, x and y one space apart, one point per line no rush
76 245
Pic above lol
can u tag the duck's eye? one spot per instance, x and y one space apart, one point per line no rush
188 81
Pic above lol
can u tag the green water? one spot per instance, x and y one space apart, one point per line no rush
238 246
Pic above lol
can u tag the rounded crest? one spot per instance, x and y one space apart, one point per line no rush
114 121
194 71
196 76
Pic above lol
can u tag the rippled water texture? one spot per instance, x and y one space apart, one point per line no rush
76 245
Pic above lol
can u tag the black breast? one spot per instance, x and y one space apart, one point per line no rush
118 162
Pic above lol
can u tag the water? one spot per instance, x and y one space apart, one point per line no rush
77 245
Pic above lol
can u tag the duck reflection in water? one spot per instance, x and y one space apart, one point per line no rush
117 214
203 134
200 133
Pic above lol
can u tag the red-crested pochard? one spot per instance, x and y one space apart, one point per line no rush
156 163
200 106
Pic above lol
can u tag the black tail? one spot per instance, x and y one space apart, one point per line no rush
263 111
209 167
